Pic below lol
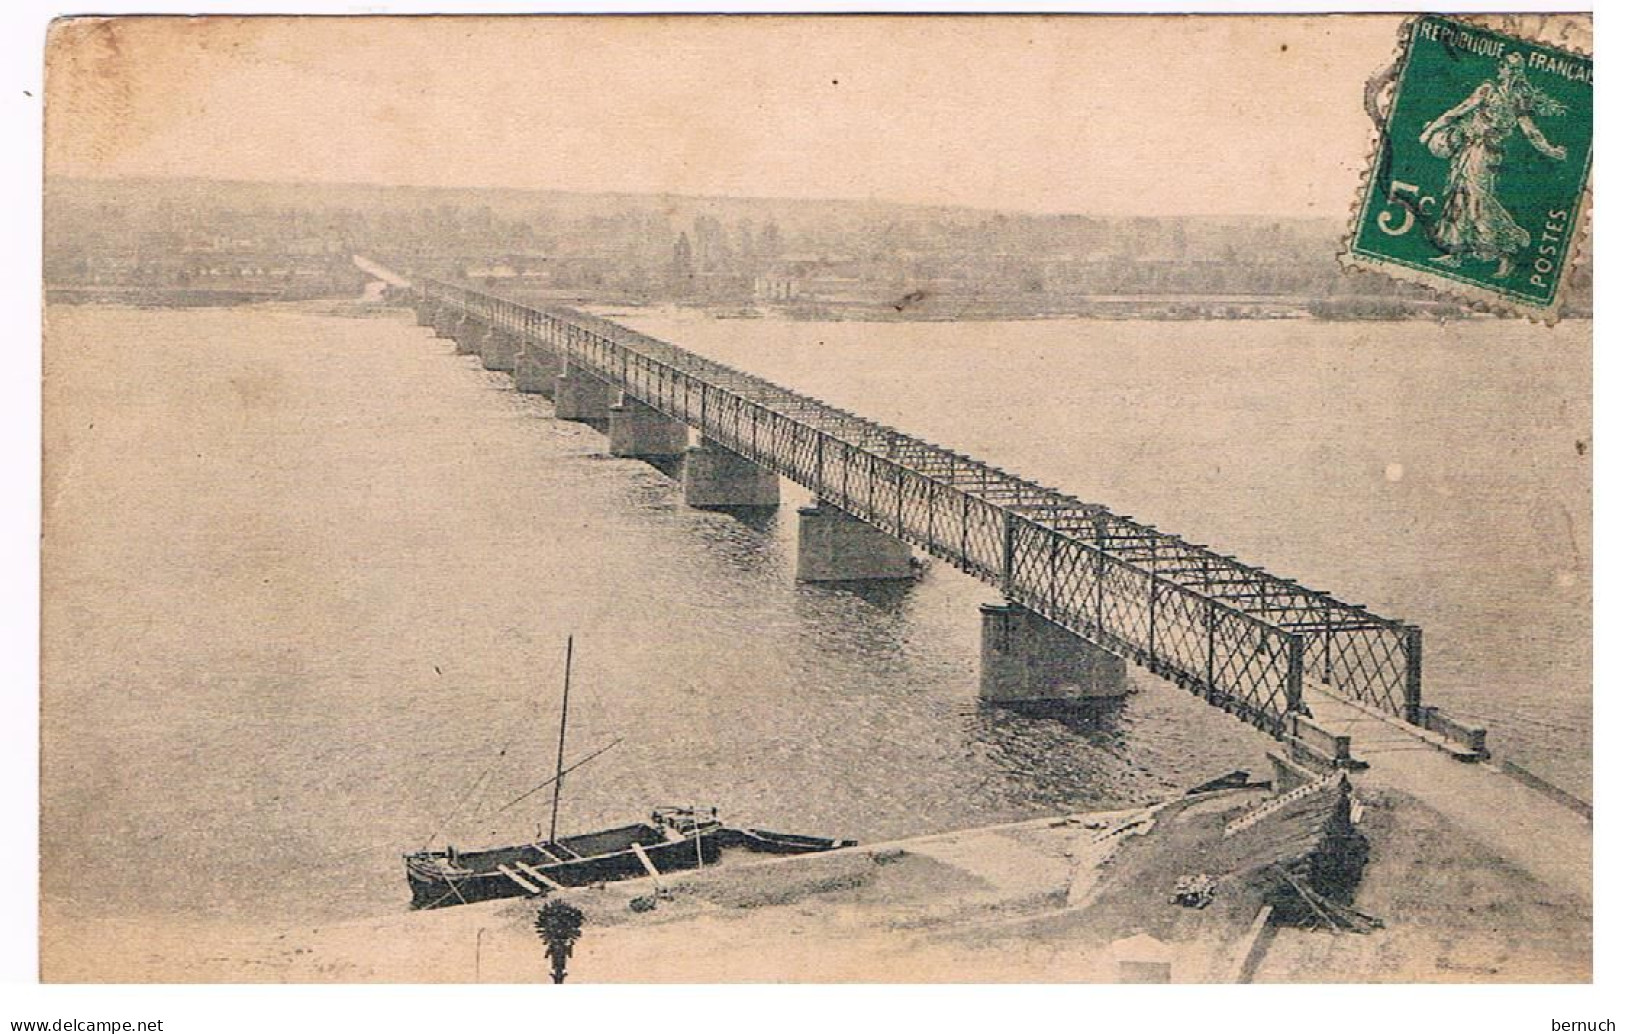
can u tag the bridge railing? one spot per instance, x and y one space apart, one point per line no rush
1244 639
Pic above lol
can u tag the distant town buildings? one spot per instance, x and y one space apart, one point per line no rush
809 258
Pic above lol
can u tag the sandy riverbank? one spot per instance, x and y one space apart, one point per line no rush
1031 901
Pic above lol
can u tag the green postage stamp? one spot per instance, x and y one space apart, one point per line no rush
1478 186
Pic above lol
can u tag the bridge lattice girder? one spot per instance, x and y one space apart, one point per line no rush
1234 633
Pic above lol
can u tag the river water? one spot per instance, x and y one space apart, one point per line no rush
308 577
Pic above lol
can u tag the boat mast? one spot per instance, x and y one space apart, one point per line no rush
564 718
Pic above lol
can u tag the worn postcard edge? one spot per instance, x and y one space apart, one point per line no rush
1380 92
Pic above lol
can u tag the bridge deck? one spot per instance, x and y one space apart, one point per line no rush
1230 631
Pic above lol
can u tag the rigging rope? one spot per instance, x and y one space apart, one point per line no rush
455 808
552 779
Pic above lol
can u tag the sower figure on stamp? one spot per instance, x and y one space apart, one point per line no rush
1474 136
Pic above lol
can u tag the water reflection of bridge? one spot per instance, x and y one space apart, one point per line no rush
1086 588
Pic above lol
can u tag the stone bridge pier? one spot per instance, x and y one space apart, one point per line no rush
716 478
578 395
444 321
1029 659
498 349
834 546
468 332
535 370
637 430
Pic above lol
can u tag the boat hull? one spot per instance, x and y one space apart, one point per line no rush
767 841
441 878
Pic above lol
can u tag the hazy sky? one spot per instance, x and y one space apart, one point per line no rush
1148 115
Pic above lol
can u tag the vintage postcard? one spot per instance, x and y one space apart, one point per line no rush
817 499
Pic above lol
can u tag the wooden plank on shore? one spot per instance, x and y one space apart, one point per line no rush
1253 948
526 884
539 876
644 858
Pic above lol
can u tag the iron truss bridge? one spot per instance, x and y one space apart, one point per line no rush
1242 638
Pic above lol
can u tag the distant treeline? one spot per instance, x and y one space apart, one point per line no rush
897 261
